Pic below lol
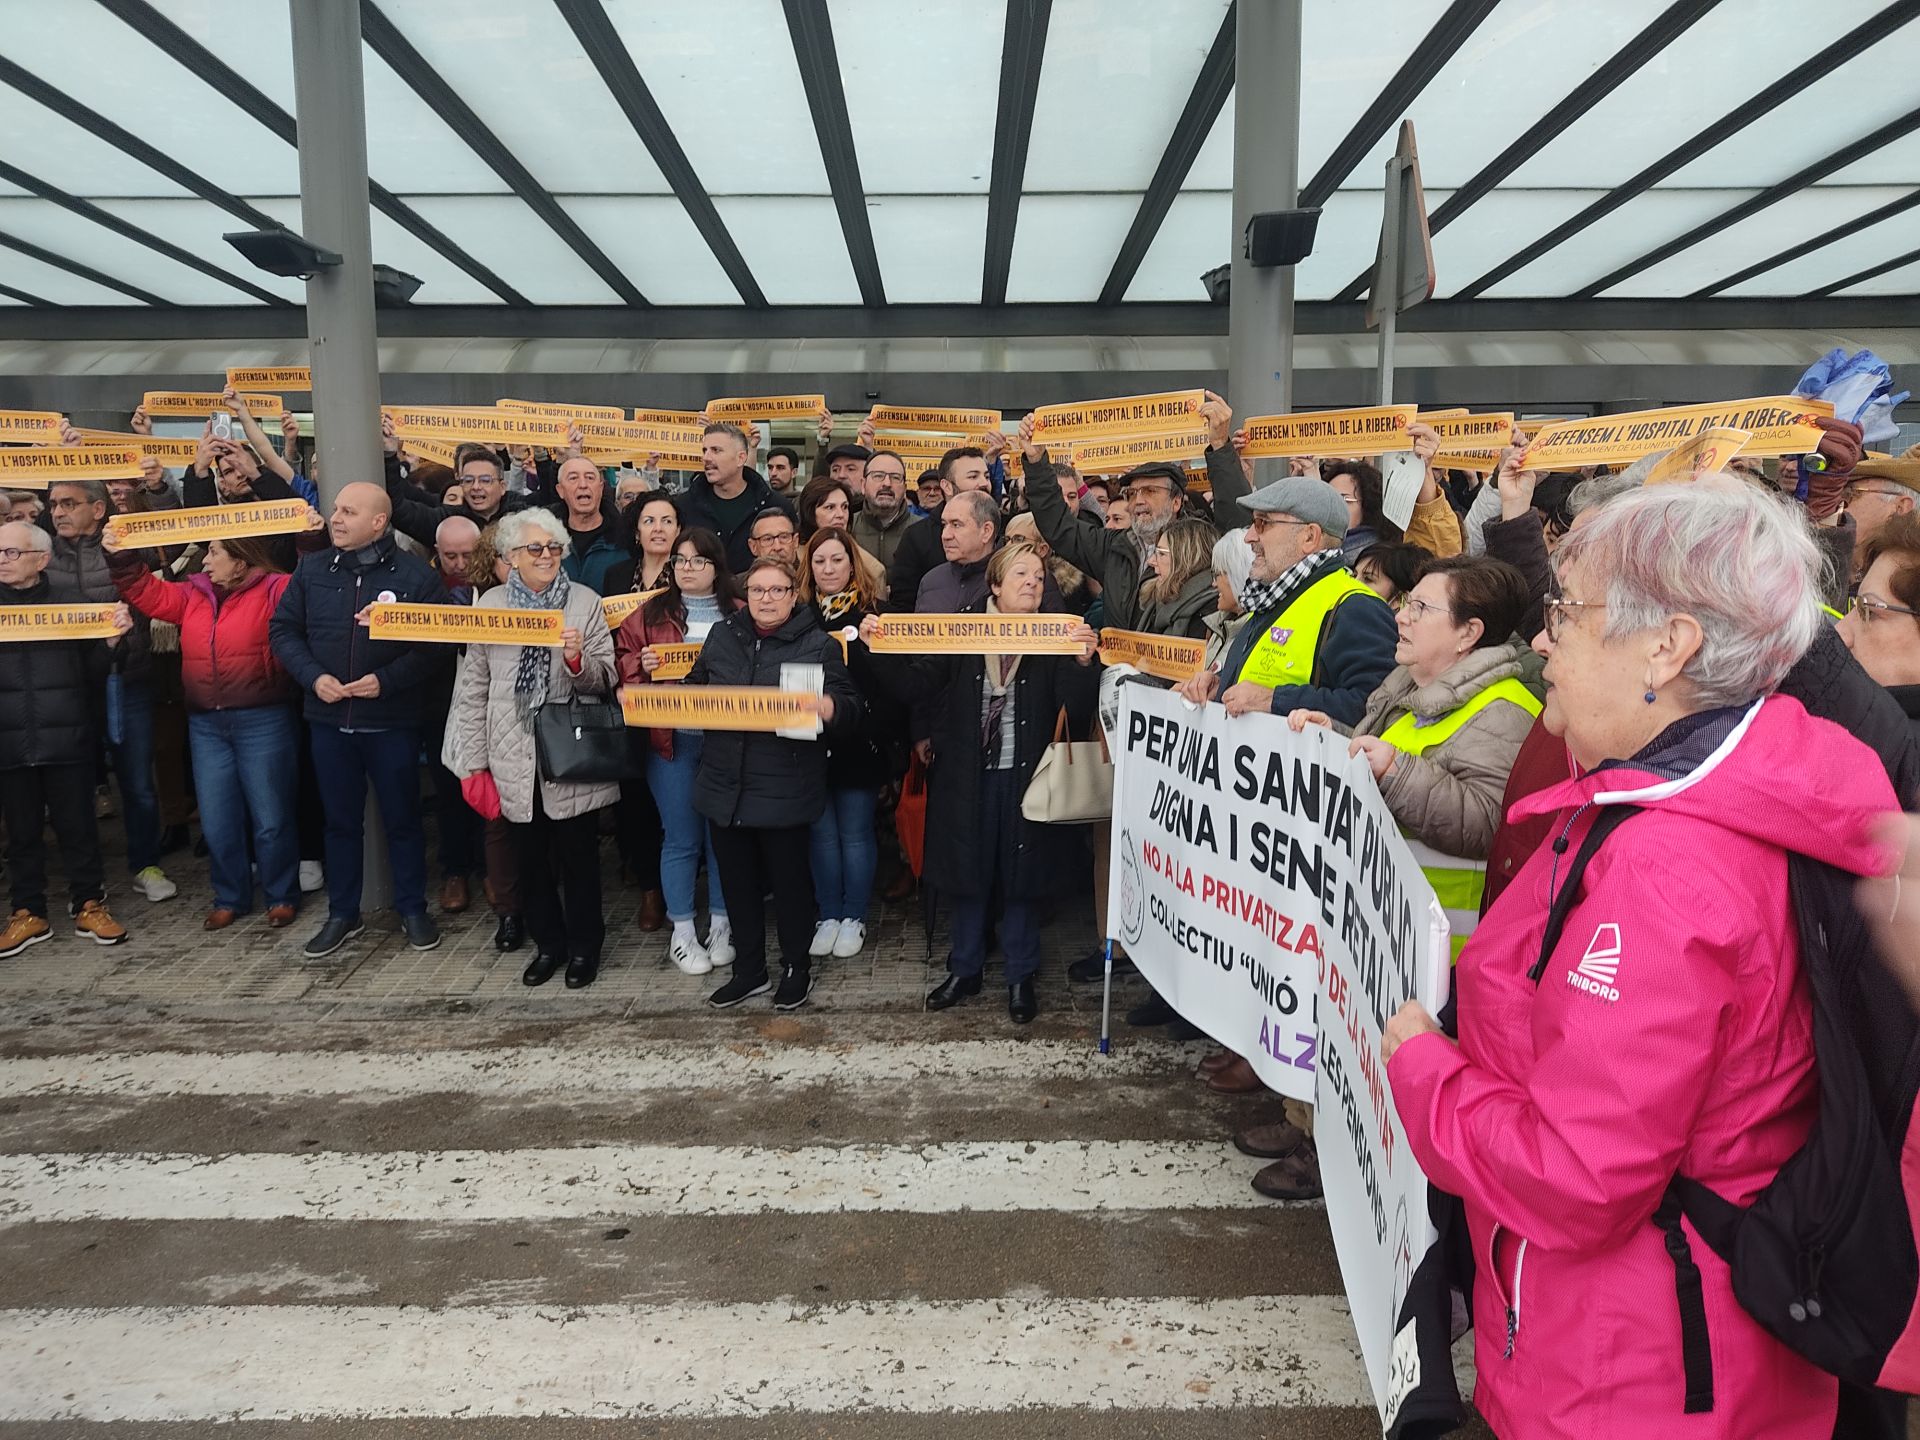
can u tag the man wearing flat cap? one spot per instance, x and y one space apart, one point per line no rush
1315 637
1153 495
1877 491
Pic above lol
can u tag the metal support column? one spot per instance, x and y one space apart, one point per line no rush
330 109
1266 176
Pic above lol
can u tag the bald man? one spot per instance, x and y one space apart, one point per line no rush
365 702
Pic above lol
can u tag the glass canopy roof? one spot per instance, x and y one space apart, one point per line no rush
1719 161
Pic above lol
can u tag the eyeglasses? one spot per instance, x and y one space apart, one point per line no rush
764 539
690 562
547 547
1159 552
768 592
1555 612
899 479
1264 518
1140 491
1870 607
1854 492
1420 609
12 554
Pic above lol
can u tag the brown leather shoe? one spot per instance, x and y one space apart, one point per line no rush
653 910
219 918
455 894
1297 1177
1214 1064
280 916
1235 1078
1269 1142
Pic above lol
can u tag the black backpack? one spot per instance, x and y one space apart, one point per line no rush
1824 1258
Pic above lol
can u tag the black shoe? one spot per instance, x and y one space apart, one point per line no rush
421 933
1181 1028
952 990
540 969
510 934
795 985
331 936
174 837
740 987
1021 1005
1155 1012
1092 969
580 971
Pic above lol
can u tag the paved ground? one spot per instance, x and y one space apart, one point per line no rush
399 1194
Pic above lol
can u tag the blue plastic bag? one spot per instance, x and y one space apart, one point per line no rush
1860 388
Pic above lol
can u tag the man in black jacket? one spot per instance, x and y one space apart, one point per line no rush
363 706
962 468
728 493
483 492
47 742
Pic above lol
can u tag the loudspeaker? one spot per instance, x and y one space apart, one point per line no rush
1281 237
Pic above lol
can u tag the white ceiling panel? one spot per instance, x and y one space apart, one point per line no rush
1904 281
1848 255
197 225
441 281
913 142
1196 236
654 242
74 238
794 247
516 245
1631 231
410 149
931 247
51 283
1500 224
1065 245
62 153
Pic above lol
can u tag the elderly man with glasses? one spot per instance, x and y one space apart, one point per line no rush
1877 492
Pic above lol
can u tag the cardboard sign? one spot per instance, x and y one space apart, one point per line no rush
920 446
718 707
566 412
492 427
46 465
1166 656
668 417
1168 411
766 407
205 402
31 427
911 417
273 377
210 522
618 607
976 635
56 622
676 659
1475 435
1705 453
433 450
167 449
1098 457
1374 430
466 625
641 439
1779 424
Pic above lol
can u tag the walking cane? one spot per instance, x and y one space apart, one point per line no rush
1106 1002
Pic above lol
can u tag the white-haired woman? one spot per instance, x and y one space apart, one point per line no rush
498 692
1667 1031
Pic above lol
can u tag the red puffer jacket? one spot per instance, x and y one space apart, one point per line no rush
226 660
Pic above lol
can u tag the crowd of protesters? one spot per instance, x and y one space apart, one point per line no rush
1740 656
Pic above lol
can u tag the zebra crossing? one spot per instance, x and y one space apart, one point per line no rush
847 1225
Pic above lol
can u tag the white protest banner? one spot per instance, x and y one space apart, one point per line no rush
1263 888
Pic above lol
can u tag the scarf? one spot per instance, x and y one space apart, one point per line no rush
1257 596
834 607
535 671
1000 671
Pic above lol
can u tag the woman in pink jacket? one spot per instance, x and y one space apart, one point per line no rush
1670 1030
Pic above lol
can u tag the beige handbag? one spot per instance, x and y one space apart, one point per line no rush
1073 783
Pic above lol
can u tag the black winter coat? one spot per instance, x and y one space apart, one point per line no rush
865 759
959 847
696 509
314 633
47 689
77 574
758 779
1831 684
919 551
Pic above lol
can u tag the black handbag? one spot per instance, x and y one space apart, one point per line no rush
583 741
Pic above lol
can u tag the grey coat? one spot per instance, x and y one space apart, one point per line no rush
1449 797
483 725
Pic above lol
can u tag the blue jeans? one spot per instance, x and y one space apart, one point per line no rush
346 764
843 852
246 773
684 832
133 768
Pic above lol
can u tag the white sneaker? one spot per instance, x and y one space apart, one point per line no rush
720 945
825 934
153 883
852 939
690 956
312 877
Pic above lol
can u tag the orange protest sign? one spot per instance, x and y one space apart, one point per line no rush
1098 457
767 407
1168 411
167 449
1165 656
676 660
273 377
440 453
1779 424
640 438
1704 454
567 412
209 522
205 402
32 427
718 707
465 625
975 635
489 426
668 417
1374 430
56 622
46 465
956 421
618 607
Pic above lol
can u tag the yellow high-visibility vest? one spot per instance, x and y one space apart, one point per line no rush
1285 653
1459 883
